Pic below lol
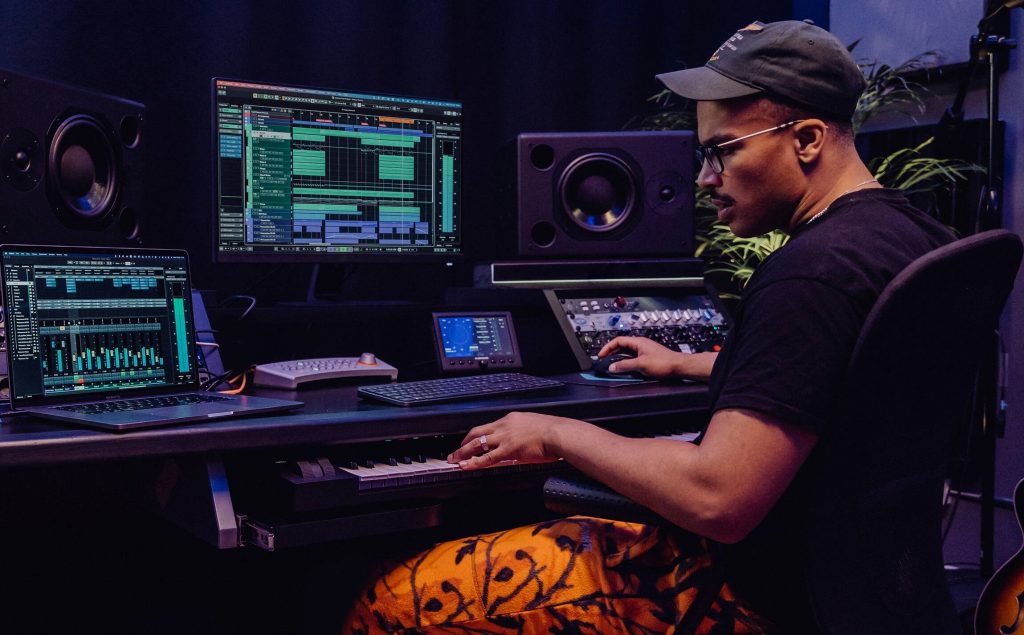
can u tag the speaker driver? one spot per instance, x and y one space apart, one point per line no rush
21 159
598 192
84 167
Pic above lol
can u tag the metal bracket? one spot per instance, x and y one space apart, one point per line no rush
193 493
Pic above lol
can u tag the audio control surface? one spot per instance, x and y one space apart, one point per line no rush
688 319
292 373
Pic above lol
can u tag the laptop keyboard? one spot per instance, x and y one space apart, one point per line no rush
145 403
414 393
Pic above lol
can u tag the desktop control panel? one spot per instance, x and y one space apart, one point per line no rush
686 319
292 373
475 341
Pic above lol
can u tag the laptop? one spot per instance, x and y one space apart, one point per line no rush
105 337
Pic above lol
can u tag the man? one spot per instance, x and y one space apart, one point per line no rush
774 105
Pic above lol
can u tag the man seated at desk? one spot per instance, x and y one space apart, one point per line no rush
774 108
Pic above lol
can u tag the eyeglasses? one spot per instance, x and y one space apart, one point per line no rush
713 153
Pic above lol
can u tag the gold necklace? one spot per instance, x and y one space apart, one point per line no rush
861 184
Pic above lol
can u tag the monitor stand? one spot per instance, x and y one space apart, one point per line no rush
311 288
311 299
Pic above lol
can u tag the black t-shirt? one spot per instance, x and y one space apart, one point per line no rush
793 334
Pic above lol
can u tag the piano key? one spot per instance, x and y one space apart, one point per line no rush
423 472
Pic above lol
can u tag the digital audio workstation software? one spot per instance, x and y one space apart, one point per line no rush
311 174
81 321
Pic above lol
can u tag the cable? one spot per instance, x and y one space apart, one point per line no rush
1010 4
216 380
235 391
258 284
227 377
248 310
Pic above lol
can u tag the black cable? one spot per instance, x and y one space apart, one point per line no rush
216 380
248 310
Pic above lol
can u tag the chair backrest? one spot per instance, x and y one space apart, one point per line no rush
875 528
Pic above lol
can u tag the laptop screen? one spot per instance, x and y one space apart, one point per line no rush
84 322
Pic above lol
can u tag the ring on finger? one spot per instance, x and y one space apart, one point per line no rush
483 443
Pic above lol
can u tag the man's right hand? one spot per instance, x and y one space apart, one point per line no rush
657 361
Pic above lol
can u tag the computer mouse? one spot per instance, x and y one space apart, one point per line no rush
600 367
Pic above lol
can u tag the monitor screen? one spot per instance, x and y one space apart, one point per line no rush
314 174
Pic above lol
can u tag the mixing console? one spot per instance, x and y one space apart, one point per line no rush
683 319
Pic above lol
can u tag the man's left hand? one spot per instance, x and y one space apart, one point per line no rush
518 437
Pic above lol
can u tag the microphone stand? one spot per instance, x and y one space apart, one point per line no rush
989 49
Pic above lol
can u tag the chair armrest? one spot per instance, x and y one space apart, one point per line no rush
578 495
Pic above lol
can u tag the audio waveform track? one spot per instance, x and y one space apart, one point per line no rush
361 174
354 179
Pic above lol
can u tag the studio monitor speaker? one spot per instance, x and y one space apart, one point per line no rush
70 164
604 194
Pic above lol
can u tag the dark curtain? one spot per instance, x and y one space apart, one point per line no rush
557 65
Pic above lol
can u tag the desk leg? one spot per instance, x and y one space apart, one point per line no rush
193 493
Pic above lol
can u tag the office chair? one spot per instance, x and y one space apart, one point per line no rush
909 392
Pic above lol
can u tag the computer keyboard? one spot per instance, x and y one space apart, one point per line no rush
144 403
415 393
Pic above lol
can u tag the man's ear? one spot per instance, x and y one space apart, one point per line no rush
810 136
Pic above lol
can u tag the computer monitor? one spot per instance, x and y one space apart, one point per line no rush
322 175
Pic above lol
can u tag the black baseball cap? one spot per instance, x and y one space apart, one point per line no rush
792 60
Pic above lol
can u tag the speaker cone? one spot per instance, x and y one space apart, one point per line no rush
84 172
598 192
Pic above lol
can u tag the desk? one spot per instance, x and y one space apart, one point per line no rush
332 415
190 476
55 539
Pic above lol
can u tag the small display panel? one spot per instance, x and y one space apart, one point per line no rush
475 341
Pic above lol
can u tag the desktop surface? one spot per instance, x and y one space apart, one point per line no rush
334 415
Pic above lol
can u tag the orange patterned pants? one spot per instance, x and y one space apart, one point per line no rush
576 575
